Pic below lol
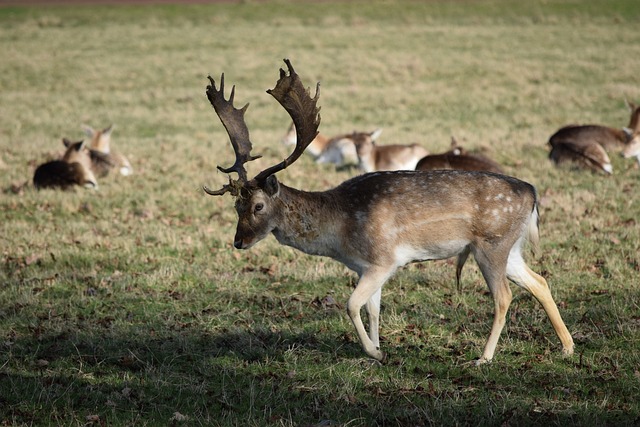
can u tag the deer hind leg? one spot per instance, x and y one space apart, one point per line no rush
493 271
462 258
368 291
520 273
373 311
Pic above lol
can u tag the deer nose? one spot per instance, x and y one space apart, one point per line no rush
238 244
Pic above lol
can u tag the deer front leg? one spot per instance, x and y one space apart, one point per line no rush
368 292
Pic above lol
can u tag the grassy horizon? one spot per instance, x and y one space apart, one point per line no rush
129 306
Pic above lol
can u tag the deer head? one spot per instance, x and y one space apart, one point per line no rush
295 99
78 152
100 139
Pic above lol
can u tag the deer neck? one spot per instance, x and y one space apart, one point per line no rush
308 222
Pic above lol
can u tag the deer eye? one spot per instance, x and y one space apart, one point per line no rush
258 207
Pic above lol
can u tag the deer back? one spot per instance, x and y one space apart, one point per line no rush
464 161
608 138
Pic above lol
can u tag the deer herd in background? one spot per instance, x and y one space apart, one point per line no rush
581 146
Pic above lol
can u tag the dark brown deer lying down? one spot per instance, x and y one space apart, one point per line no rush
73 169
376 223
459 159
578 144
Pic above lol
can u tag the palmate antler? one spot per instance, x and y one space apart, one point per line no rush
233 121
292 95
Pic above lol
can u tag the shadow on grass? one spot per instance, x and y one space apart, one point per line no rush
253 376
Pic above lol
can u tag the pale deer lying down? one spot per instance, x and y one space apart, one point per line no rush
581 153
73 169
459 159
338 150
103 158
578 144
373 158
376 223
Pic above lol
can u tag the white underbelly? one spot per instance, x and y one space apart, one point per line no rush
405 254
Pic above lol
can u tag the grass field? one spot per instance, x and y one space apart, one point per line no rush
129 306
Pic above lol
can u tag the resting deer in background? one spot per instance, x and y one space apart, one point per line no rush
458 158
375 158
338 150
578 144
587 154
104 159
375 223
73 169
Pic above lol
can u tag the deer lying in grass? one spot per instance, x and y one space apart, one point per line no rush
375 158
582 153
375 223
586 145
458 158
73 169
609 138
338 150
104 159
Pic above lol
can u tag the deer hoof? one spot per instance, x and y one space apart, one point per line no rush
482 361
378 355
567 351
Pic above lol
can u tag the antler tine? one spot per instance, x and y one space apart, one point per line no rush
297 100
233 121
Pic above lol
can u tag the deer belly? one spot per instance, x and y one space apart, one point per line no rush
405 254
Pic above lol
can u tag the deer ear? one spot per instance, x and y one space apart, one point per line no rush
271 186
66 142
88 130
376 134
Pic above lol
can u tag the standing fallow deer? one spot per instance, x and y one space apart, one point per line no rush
376 223
377 158
103 158
458 158
73 169
338 150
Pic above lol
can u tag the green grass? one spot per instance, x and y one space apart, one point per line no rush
129 305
